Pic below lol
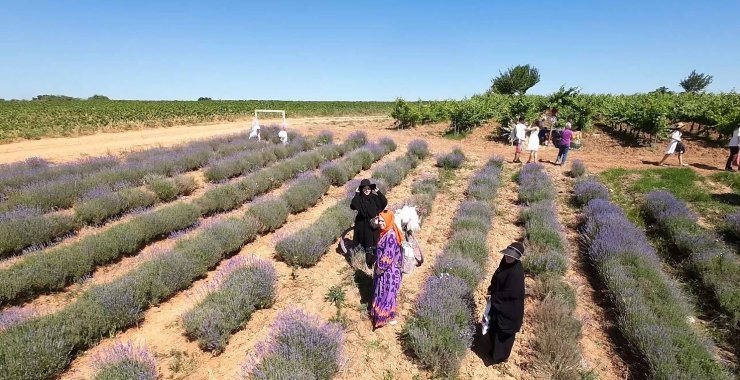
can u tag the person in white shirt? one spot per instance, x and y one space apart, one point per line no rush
255 133
520 133
734 146
534 141
283 134
675 146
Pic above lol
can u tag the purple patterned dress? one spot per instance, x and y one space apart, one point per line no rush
387 280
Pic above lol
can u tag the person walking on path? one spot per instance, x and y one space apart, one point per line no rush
387 273
520 134
533 145
255 132
368 202
734 146
506 294
675 146
564 148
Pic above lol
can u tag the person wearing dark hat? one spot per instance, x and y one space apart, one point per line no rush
368 202
507 302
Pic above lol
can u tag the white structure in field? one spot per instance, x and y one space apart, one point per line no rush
281 112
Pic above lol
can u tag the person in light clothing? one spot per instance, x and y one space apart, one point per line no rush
255 133
520 134
533 145
283 134
734 146
675 146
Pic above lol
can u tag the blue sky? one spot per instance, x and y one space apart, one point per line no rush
358 50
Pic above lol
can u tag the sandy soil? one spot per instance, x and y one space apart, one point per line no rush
370 355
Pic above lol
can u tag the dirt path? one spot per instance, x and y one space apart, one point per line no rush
600 355
69 148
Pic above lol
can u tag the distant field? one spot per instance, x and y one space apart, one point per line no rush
37 119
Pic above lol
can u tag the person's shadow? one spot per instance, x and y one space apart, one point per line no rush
482 346
704 167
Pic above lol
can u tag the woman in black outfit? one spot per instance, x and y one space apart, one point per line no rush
507 302
368 202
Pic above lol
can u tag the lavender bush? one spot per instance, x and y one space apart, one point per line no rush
325 137
388 143
238 289
651 310
300 347
99 210
125 361
707 255
732 223
547 248
358 138
395 171
305 191
577 169
168 189
534 184
271 212
419 149
589 189
442 328
452 160
28 226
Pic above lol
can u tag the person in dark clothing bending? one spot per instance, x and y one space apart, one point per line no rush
507 302
368 202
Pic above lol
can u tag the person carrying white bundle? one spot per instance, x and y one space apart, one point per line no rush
675 146
255 133
283 134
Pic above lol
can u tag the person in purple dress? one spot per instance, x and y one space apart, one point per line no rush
387 273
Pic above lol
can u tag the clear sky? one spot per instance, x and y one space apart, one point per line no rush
358 50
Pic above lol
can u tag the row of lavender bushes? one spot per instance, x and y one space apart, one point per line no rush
64 191
36 171
441 330
305 247
710 259
29 229
556 332
53 269
652 313
104 202
732 225
300 346
125 361
244 286
42 347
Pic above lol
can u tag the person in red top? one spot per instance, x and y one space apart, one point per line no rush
565 139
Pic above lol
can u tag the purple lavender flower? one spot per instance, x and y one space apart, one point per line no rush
125 360
733 224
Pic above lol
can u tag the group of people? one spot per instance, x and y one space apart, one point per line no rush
519 136
376 231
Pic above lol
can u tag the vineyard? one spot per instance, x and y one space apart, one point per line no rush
36 119
220 259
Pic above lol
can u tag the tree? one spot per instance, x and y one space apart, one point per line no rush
516 80
204 98
696 82
662 90
54 97
98 97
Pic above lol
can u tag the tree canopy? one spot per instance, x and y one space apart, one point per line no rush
696 82
516 80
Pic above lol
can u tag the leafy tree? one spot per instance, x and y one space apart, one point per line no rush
661 90
54 97
98 97
696 82
204 98
516 80
561 98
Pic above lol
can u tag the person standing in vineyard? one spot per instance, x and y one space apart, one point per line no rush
675 146
565 139
520 134
368 202
734 146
